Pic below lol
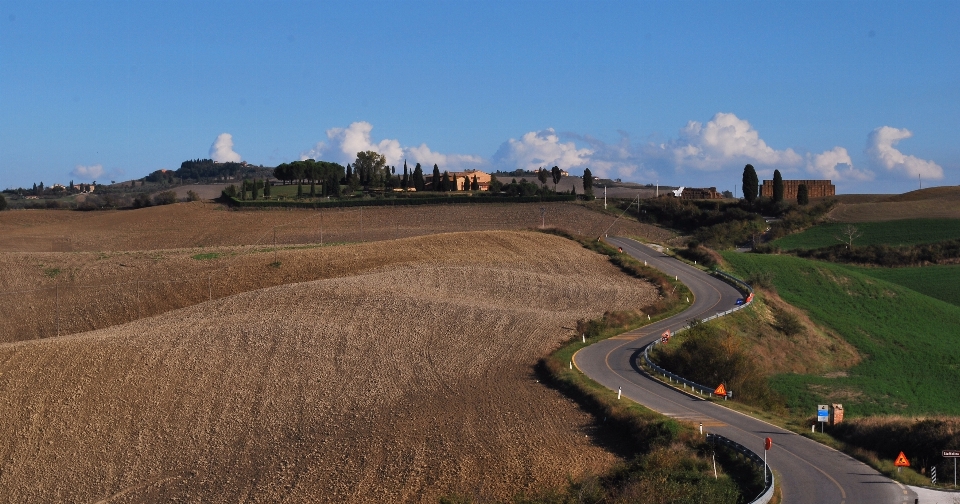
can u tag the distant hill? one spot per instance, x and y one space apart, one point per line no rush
935 202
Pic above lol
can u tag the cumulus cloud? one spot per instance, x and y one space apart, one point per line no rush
723 142
91 172
222 149
836 165
613 160
882 153
541 149
345 143
457 162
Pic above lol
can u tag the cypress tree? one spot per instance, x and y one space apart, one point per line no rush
802 195
299 190
405 181
587 181
436 178
418 183
777 186
266 188
750 183
475 186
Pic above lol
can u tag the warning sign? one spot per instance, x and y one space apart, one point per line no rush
902 461
721 390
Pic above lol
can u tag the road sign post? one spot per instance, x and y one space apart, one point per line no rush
767 444
823 414
901 461
721 390
954 454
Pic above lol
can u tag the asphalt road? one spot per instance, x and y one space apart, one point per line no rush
807 471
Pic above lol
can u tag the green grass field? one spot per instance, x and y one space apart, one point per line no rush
898 232
937 281
910 342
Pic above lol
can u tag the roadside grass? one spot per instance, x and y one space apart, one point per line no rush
937 281
206 256
908 341
663 455
893 233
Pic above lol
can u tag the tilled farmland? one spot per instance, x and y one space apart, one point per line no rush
204 224
401 373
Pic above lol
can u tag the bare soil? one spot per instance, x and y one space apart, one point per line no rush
933 203
205 224
400 371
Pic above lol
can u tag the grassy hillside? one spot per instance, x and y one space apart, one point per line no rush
937 281
908 341
898 232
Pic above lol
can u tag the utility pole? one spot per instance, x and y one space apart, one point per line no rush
604 197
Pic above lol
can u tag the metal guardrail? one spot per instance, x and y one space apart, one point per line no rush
767 492
745 288
694 386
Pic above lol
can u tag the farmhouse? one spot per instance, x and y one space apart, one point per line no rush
483 179
815 188
695 193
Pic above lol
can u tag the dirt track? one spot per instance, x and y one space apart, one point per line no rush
398 383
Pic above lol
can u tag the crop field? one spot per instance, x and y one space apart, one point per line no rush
204 224
937 281
894 233
908 341
933 203
402 374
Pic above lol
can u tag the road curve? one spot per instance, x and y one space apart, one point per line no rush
807 471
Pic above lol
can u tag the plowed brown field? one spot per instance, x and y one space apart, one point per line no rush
933 203
203 224
402 374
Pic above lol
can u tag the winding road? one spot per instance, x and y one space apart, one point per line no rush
807 471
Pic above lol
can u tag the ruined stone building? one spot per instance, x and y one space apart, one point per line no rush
815 189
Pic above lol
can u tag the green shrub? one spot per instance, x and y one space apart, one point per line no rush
165 198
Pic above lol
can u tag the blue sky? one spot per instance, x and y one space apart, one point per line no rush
685 93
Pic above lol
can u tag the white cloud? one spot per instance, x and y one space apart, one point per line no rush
222 149
454 162
723 142
881 152
617 160
356 138
836 165
541 149
91 172
345 143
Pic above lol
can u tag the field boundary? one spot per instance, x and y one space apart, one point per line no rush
401 201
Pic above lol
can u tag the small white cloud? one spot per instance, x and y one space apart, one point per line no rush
723 142
222 149
881 152
541 149
836 165
91 172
